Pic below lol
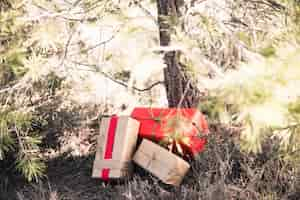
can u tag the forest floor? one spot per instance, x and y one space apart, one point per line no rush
222 171
68 177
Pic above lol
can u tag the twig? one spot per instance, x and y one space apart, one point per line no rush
106 75
275 4
271 3
20 141
96 45
7 89
288 127
61 14
76 3
147 12
67 47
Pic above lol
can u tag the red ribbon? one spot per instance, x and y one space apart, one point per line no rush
109 145
105 174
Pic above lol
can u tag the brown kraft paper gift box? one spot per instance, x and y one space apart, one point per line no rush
115 146
167 166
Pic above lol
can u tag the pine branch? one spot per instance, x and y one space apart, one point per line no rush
97 67
96 45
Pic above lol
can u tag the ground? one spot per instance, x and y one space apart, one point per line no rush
222 171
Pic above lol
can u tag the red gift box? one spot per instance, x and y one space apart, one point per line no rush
180 127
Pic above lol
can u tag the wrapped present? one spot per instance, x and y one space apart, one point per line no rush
115 146
162 163
180 129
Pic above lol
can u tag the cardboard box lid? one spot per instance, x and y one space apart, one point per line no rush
126 134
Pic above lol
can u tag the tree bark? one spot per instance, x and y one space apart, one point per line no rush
181 91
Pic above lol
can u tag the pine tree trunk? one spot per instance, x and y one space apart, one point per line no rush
180 89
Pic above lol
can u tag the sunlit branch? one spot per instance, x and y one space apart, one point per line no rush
108 76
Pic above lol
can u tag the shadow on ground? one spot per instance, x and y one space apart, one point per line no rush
69 178
221 172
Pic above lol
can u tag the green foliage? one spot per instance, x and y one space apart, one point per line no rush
268 51
244 37
17 138
12 32
19 145
263 96
48 84
31 167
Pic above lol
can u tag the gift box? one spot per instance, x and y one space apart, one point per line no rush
115 146
179 128
165 165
